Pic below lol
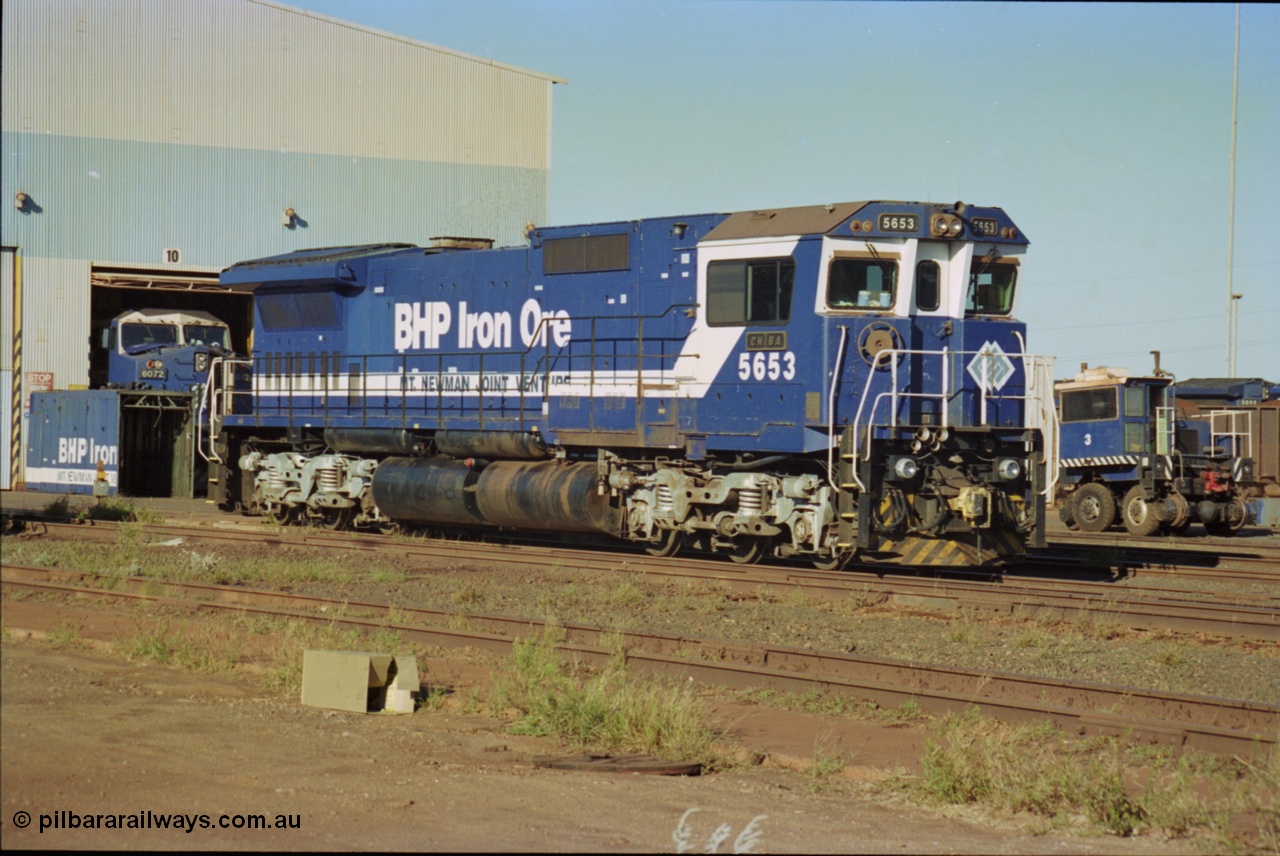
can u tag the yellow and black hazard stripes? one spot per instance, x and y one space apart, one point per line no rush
955 549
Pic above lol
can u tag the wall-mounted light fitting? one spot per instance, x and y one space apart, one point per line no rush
286 219
20 200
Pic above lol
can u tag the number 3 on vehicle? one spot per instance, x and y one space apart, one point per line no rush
771 365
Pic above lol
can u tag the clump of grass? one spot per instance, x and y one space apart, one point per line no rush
827 763
907 713
63 636
1021 768
627 595
158 644
611 710
1110 786
60 507
965 632
295 636
126 509
469 595
1095 626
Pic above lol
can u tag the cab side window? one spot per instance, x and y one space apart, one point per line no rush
862 283
928 288
750 293
1089 405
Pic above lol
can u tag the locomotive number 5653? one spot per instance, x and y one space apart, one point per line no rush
771 365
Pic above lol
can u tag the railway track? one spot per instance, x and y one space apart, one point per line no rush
1212 724
1224 614
1236 558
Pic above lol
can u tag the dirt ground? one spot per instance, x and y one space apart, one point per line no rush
85 732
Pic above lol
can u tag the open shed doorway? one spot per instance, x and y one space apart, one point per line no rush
117 290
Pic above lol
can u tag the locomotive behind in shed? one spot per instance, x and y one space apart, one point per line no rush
811 383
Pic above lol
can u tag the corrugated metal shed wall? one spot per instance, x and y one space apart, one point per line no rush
140 125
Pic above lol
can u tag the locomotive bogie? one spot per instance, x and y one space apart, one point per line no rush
292 486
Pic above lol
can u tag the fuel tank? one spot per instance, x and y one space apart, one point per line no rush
357 441
542 495
506 445
427 490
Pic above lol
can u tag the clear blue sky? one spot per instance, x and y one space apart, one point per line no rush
1103 130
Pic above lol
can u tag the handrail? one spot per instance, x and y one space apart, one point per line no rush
1241 441
217 400
831 411
1034 394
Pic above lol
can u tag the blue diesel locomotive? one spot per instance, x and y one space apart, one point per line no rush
163 349
811 383
1128 453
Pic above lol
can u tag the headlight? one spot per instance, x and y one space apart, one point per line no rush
905 468
955 227
1008 469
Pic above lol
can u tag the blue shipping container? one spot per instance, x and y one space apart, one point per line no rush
71 432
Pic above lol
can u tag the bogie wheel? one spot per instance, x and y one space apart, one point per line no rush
282 515
747 551
831 563
1095 507
668 544
337 518
1139 517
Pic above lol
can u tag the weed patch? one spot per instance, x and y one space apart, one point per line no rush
611 710
1099 783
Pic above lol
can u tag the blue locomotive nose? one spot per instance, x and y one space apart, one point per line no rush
163 349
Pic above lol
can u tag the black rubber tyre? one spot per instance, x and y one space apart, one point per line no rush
1094 507
1067 513
1139 517
1219 530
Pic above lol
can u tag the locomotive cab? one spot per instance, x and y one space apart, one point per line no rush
163 349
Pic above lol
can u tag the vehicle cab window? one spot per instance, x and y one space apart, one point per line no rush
754 292
991 285
1089 405
858 283
206 334
928 288
147 335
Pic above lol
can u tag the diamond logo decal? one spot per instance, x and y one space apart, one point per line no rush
990 367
